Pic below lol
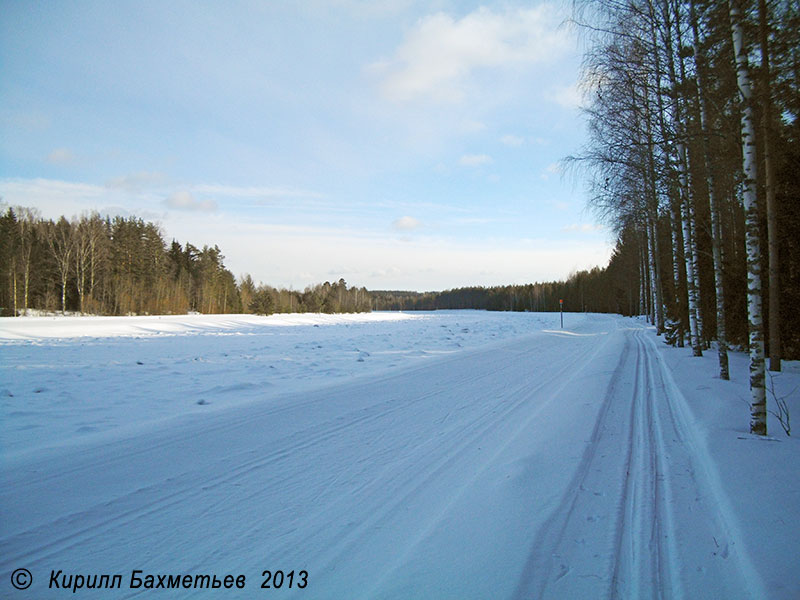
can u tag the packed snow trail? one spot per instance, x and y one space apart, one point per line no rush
615 532
560 464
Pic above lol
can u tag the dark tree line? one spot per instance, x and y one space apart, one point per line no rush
120 266
613 289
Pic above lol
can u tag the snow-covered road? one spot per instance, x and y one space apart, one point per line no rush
555 464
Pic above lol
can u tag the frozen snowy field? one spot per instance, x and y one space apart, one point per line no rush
456 454
67 379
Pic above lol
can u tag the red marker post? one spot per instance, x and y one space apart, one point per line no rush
561 306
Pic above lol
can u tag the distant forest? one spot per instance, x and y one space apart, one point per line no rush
121 266
611 289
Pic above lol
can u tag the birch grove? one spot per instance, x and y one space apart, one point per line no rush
689 157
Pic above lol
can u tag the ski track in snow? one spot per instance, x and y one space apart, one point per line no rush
555 464
615 533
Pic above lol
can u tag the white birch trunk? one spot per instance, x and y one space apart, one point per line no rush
722 336
691 286
772 208
652 217
758 409
676 268
642 282
716 226
660 310
695 269
687 202
14 287
668 157
657 315
26 278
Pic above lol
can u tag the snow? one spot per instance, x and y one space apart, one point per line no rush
69 378
455 454
58 327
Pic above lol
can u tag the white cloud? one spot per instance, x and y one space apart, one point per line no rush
512 140
361 9
183 200
475 160
371 257
583 227
254 191
386 273
474 220
29 121
560 205
472 126
55 198
569 96
551 169
49 194
378 261
406 224
439 55
143 193
136 182
61 156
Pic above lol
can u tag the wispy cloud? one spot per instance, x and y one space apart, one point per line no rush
28 192
29 121
147 191
583 227
361 9
136 182
406 224
390 262
550 170
231 191
184 200
475 160
560 205
61 156
440 54
55 197
567 96
512 140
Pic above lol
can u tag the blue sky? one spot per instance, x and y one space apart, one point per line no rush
397 144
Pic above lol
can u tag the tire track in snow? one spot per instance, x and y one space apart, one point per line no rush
424 469
116 519
624 539
545 565
101 521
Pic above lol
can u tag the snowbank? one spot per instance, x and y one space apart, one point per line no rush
57 326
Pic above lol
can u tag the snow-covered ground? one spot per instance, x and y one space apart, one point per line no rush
67 379
457 454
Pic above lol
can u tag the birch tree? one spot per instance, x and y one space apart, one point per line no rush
758 410
26 223
61 241
716 227
769 185
687 213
